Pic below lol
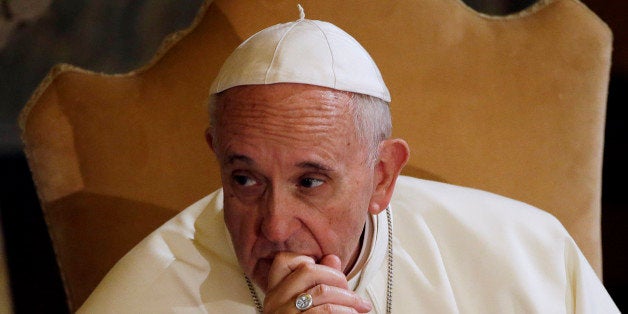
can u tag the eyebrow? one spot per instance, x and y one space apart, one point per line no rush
314 166
237 157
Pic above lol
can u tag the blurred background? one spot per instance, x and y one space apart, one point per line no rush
117 36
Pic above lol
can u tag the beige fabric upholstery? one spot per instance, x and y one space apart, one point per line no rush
511 105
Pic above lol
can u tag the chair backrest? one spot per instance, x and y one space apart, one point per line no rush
514 105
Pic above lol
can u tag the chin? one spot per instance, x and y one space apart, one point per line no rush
260 272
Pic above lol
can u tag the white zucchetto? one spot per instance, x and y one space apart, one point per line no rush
304 51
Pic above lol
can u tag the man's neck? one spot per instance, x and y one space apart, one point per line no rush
356 253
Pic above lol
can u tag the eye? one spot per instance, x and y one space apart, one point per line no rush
244 180
311 182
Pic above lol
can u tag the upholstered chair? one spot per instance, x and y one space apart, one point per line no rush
513 105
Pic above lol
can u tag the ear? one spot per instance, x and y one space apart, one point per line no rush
393 155
209 138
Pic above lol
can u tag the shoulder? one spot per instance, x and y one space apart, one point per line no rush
484 244
436 201
154 267
458 216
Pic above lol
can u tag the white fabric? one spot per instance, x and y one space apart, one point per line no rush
456 250
304 51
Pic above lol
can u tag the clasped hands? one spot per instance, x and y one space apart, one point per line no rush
292 274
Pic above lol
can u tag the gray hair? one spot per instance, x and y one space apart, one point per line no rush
373 124
371 117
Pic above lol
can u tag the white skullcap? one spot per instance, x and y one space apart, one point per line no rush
304 51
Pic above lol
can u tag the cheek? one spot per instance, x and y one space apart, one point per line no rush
346 219
241 226
354 212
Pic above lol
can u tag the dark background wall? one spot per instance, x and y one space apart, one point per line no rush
116 36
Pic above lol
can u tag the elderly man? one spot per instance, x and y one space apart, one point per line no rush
304 221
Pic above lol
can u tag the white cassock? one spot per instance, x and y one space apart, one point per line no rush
456 250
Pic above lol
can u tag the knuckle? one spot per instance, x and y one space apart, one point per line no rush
308 267
321 289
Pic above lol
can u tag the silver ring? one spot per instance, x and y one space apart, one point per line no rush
304 301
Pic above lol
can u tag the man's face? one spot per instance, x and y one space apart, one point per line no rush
293 172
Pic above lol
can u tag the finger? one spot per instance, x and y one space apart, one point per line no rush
318 307
283 265
304 277
324 294
332 308
332 261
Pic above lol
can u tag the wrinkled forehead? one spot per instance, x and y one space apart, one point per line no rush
285 108
285 99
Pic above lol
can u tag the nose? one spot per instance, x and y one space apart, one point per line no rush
280 220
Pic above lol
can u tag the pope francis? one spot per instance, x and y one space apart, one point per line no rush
314 217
